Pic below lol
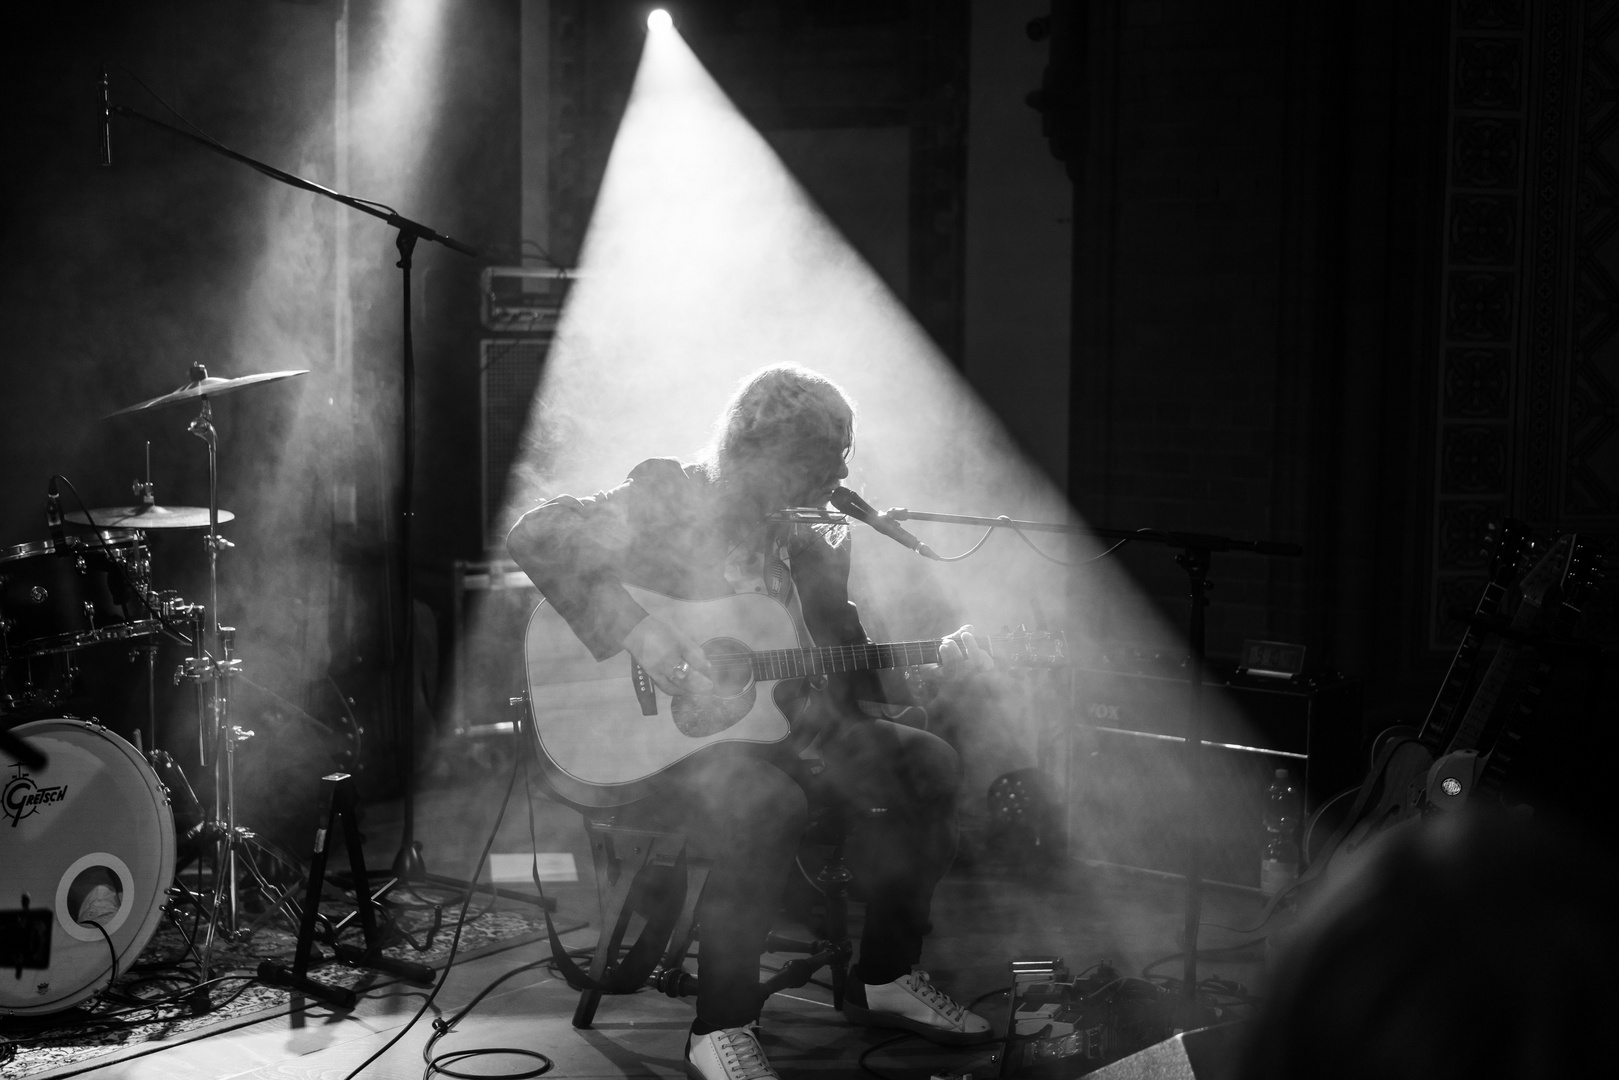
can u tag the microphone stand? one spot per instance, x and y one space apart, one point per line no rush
1195 555
407 863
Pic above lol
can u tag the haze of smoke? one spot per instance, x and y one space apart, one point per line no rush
315 441
706 261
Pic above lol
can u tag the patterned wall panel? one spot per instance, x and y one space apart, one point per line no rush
1528 395
1585 457
1492 50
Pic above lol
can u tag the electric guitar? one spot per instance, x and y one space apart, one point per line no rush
1463 772
605 734
1396 782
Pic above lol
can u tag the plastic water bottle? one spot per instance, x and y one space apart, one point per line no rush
1279 861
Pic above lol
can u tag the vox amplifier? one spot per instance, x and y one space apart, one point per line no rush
1129 793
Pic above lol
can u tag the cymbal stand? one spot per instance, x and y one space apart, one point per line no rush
212 670
203 668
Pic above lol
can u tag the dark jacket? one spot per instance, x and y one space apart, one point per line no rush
664 529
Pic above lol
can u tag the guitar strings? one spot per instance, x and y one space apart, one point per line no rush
893 652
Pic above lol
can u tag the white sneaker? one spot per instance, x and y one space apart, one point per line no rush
915 1004
731 1054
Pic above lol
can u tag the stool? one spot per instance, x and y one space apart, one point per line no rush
649 872
639 870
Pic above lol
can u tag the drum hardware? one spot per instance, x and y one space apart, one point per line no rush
409 234
211 670
67 594
146 513
64 594
35 693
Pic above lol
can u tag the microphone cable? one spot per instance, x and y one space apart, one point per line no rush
460 924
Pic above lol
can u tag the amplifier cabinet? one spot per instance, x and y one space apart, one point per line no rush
1126 781
509 372
492 602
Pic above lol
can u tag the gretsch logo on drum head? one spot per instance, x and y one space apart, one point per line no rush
23 797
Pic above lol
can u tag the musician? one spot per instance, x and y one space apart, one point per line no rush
701 530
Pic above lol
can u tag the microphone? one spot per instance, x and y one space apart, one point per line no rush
106 120
53 512
856 507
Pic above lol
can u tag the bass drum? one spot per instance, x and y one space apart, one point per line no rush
91 835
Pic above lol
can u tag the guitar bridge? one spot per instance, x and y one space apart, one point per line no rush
645 692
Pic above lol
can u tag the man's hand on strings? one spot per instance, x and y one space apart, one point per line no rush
675 662
960 655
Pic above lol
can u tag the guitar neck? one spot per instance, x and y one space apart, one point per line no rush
1506 660
1440 725
1546 572
834 659
1510 738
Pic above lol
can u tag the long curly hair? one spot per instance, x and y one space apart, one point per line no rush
779 412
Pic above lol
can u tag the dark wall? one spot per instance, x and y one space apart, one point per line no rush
1255 237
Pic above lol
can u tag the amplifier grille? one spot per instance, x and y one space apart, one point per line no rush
509 374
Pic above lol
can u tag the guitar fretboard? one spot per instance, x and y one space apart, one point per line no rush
797 663
1440 725
850 658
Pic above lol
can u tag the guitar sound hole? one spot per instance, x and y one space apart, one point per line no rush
733 666
700 715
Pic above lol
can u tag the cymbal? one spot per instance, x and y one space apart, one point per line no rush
204 385
146 517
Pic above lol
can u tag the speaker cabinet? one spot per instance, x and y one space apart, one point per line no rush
492 602
508 376
1129 792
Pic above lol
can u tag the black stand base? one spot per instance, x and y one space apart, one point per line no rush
338 799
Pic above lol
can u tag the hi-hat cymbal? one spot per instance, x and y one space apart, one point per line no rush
146 517
204 385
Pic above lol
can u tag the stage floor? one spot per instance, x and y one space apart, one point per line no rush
983 917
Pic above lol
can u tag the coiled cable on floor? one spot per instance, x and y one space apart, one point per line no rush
439 1065
455 942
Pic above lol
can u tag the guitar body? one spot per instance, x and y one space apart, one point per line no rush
1393 791
1438 766
596 746
1452 778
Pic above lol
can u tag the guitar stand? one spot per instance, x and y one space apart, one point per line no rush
339 799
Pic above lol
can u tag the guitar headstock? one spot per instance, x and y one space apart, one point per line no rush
1547 571
1510 542
1583 573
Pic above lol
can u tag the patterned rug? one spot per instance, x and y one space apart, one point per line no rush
113 1024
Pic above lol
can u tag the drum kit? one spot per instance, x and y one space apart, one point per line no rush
91 832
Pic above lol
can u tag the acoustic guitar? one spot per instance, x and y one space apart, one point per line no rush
605 734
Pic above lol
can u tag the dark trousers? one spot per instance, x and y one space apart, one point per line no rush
895 789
